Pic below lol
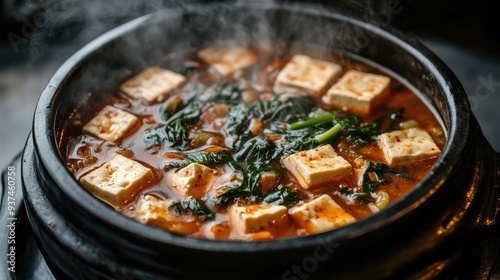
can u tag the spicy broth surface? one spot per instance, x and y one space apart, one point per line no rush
209 134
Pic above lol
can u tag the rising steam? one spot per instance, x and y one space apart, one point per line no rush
74 23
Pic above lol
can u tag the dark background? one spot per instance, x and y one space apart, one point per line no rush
36 37
471 24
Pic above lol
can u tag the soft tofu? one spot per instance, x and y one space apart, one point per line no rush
153 210
118 180
320 215
409 145
193 180
317 165
307 75
257 218
359 92
112 124
153 84
227 59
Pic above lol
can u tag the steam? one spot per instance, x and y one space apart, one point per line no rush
69 24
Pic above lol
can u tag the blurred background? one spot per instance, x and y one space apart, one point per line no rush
36 37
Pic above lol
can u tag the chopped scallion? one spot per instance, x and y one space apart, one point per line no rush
312 121
328 134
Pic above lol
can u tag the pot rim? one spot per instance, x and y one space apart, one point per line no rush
458 131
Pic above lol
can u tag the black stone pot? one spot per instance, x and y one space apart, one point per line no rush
423 235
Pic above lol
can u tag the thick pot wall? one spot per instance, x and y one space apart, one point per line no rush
423 234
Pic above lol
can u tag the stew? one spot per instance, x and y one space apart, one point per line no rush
256 143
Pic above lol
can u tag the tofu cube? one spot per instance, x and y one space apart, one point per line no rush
257 218
118 180
316 166
359 92
112 124
153 84
320 215
227 60
153 210
403 146
193 180
306 75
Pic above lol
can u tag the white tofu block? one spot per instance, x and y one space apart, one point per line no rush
257 218
404 146
307 75
359 92
193 180
118 180
320 215
317 165
112 124
153 210
227 59
153 84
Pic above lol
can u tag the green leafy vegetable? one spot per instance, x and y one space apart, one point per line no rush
233 193
254 178
376 174
357 132
201 158
281 108
154 137
356 195
227 94
250 187
186 68
177 127
258 149
390 122
192 206
172 106
283 196
178 121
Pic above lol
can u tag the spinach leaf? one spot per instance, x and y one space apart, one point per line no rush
238 119
186 68
232 193
193 206
356 195
376 174
390 121
251 186
177 127
357 132
283 196
254 178
227 94
300 139
258 149
201 158
280 108
154 137
283 108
